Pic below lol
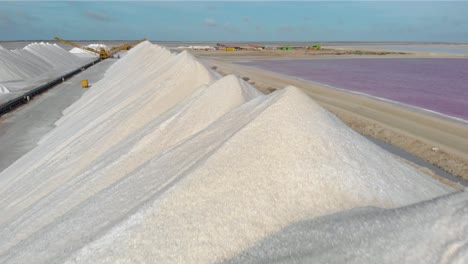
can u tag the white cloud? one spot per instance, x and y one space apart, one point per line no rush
210 22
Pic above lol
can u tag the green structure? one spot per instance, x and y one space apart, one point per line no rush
314 47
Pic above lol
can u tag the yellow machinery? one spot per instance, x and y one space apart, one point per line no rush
103 53
126 46
84 83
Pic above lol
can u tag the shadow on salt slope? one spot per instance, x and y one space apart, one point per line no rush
412 158
432 231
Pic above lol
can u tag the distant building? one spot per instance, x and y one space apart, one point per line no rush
239 46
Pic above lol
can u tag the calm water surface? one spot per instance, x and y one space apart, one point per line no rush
439 85
437 48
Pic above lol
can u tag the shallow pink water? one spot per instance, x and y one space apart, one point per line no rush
439 85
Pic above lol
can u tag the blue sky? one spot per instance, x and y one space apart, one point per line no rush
237 21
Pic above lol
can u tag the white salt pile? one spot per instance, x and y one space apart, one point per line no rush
53 54
97 46
3 89
162 163
35 61
85 53
10 70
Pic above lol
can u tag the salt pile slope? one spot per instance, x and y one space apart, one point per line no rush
373 235
10 70
53 54
226 195
161 162
3 89
37 65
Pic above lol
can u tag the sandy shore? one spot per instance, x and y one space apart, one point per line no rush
440 141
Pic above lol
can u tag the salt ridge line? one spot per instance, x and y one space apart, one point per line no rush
282 149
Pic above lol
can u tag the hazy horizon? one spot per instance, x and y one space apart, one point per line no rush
246 21
247 41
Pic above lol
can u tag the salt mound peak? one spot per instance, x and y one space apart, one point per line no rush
142 46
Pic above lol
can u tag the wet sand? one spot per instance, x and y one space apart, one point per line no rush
438 140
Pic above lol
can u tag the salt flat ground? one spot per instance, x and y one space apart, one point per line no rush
21 129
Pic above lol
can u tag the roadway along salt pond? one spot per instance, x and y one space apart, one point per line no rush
20 130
